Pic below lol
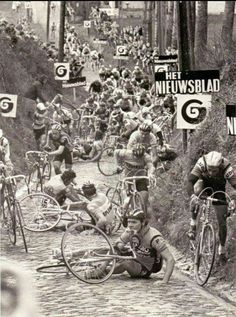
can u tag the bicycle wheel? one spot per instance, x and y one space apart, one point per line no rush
18 214
54 268
106 163
40 211
10 221
116 203
205 255
87 252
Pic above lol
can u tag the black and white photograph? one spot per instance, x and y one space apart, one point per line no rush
118 158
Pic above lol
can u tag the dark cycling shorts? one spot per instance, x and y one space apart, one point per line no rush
142 184
38 133
66 155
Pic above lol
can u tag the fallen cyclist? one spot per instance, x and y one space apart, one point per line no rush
149 246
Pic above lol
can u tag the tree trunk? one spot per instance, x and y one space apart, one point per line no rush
145 21
228 22
201 31
150 22
170 23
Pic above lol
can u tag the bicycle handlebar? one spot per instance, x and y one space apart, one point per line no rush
15 177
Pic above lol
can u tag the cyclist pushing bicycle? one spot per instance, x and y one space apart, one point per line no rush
149 247
211 170
135 160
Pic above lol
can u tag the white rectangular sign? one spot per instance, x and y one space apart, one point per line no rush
192 110
121 50
8 105
110 11
160 68
87 24
62 71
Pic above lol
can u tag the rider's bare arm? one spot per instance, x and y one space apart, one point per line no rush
160 246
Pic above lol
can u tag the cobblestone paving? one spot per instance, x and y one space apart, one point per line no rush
61 295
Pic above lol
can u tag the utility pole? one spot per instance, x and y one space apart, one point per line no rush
160 28
150 22
184 48
48 19
61 31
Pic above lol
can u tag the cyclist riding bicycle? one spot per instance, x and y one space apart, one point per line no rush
149 246
63 145
211 170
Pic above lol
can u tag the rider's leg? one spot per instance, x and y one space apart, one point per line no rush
198 187
57 167
221 213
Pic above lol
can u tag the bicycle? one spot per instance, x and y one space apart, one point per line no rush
42 212
204 246
40 170
107 164
11 209
134 199
78 259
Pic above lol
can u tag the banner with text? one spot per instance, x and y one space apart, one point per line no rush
192 110
8 105
231 119
74 82
187 82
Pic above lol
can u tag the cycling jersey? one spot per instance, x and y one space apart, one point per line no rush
100 205
39 121
64 140
218 182
56 188
4 150
142 244
137 137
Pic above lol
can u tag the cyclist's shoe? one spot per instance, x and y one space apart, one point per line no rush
56 254
192 233
94 273
222 259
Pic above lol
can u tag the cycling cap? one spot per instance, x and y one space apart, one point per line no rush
41 107
146 126
56 126
213 159
138 150
137 214
89 189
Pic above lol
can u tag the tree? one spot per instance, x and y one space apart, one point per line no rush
201 31
228 22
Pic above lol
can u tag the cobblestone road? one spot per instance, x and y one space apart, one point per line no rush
60 295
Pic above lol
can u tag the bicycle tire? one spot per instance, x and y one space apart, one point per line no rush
40 211
201 254
19 220
53 269
116 202
106 164
80 259
10 222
